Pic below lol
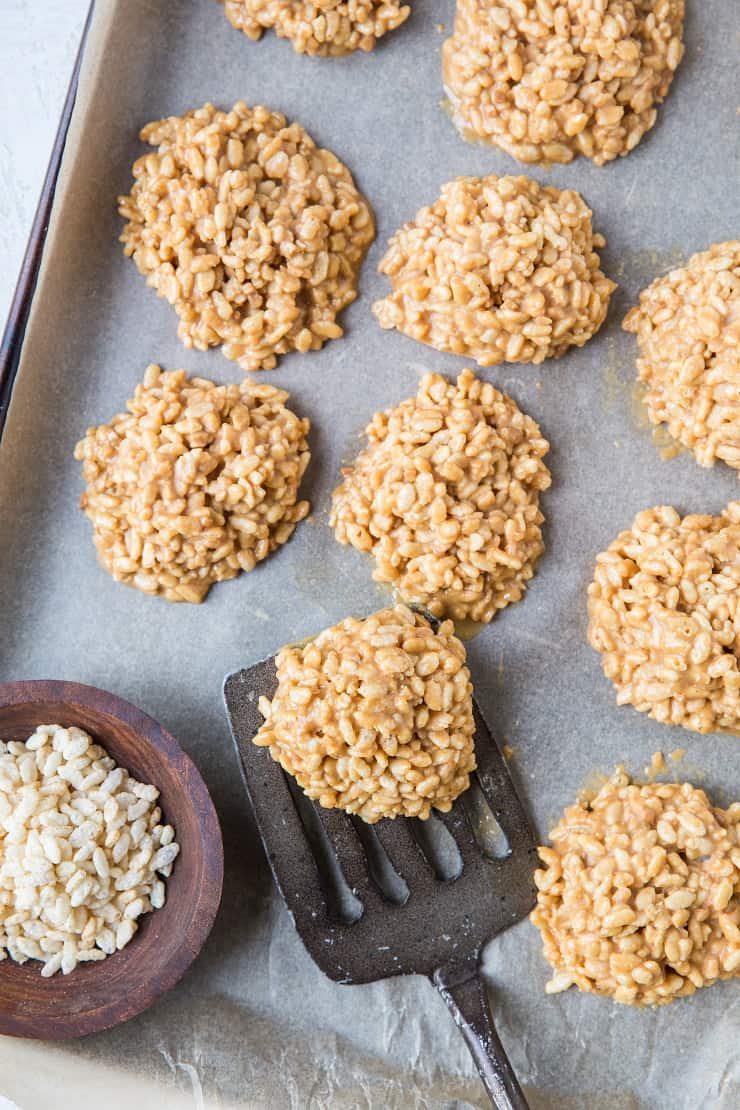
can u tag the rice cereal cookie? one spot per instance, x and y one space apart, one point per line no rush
498 269
446 498
252 233
195 483
375 716
664 613
639 896
688 330
325 27
547 81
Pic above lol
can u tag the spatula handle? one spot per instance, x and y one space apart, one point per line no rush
465 995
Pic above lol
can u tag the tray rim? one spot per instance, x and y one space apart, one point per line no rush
29 288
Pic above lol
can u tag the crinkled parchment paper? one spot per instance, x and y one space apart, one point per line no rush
254 1023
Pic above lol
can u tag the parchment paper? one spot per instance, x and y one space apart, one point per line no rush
254 1023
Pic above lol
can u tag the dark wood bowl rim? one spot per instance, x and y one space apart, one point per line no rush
206 896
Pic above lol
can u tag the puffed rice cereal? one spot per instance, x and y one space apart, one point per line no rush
688 330
84 853
639 896
195 483
664 613
375 716
446 498
325 27
253 233
498 269
548 80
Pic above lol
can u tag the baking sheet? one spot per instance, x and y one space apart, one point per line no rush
254 1023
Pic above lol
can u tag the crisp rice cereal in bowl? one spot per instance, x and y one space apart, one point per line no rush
498 269
664 612
83 850
324 27
688 330
639 896
446 498
253 233
546 81
195 483
375 716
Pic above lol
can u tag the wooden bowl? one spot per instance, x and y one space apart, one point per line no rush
99 995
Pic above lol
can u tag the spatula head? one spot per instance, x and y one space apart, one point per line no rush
441 921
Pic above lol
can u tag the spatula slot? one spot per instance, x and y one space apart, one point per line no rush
390 884
439 847
490 837
341 902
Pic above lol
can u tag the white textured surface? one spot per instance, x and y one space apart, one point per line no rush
38 43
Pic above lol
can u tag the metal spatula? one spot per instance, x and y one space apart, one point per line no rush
439 926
